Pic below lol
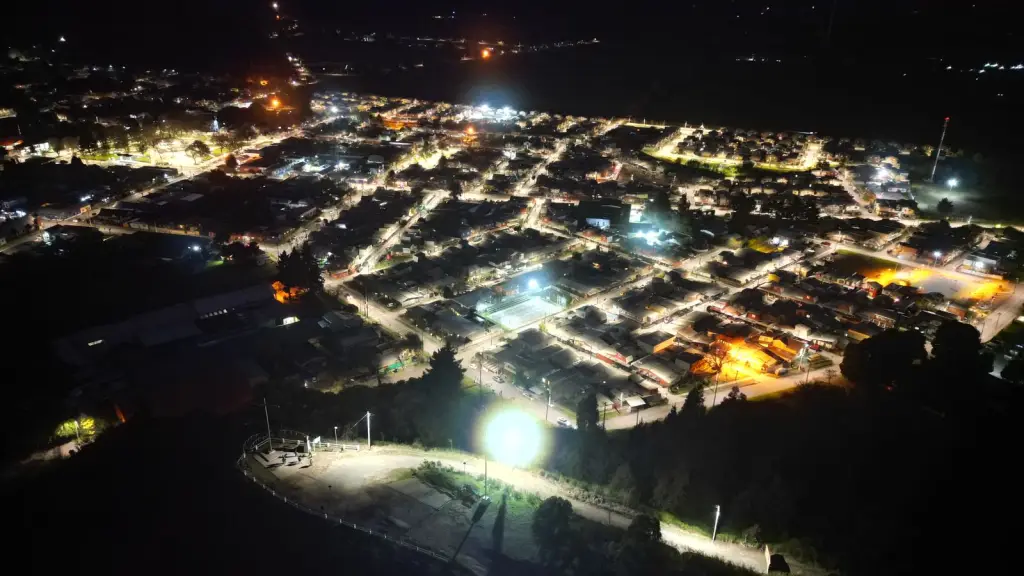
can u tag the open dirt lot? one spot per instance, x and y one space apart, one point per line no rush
371 488
382 494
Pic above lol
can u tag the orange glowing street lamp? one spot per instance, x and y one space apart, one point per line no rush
275 103
485 53
470 130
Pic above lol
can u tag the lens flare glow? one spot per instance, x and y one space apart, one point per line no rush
512 437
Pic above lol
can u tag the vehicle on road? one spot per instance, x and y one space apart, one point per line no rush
564 422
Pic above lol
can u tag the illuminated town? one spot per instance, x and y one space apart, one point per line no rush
467 300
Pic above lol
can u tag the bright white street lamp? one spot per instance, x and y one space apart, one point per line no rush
952 183
532 284
512 437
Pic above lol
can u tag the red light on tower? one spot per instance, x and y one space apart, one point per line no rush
947 118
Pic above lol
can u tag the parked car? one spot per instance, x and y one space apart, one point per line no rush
564 422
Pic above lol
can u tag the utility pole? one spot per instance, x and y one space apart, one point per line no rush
938 151
368 442
547 406
718 380
266 414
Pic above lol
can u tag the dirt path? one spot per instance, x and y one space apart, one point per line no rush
363 467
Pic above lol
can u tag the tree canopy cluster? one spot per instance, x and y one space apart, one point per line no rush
429 410
299 269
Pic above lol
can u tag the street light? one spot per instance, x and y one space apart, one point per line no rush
952 183
714 531
335 434
547 404
512 437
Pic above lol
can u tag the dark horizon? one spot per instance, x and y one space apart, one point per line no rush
226 30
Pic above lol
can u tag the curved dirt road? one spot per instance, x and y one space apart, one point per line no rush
379 463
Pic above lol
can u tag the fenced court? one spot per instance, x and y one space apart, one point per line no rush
521 313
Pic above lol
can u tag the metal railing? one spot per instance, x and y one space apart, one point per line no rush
256 441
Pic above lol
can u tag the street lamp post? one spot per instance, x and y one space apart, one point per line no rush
335 434
714 531
368 441
547 405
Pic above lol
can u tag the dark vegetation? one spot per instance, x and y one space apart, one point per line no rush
69 287
824 473
162 494
570 546
430 410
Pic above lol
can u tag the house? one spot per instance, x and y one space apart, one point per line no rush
654 342
533 340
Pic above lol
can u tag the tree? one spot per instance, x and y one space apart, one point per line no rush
888 360
639 552
454 188
300 269
551 530
57 145
223 141
644 529
120 140
624 483
88 142
231 163
958 359
197 150
586 413
735 395
742 205
693 405
945 207
70 143
444 376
